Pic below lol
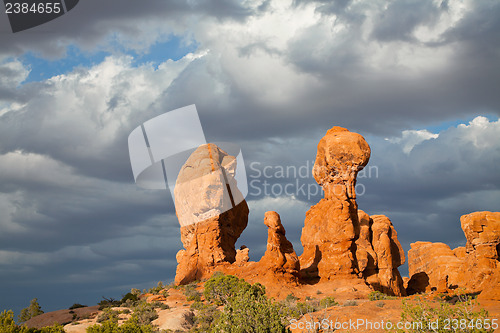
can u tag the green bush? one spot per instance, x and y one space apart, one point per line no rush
191 293
76 306
219 288
206 315
156 290
108 315
248 311
129 298
8 325
108 303
378 296
56 328
7 322
291 298
350 303
327 302
464 316
31 311
144 313
135 291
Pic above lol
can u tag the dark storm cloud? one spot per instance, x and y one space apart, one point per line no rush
270 78
92 22
399 20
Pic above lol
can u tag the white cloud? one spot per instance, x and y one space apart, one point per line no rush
411 138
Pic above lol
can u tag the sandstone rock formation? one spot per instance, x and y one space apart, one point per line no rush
211 219
280 257
337 242
329 228
433 266
475 268
340 242
381 272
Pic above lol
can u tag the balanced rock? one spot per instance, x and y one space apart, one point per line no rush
329 228
339 241
211 211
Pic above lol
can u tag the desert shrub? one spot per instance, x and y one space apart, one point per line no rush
191 293
464 316
206 315
350 303
219 288
76 306
318 292
108 314
144 313
7 322
132 325
56 328
8 325
291 298
377 296
108 303
249 310
156 290
327 302
305 307
135 291
130 298
197 305
380 304
31 311
160 305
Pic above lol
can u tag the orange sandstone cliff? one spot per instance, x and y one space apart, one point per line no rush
474 268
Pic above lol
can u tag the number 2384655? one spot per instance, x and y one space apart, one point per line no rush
33 8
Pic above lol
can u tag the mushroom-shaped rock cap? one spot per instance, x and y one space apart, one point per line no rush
341 154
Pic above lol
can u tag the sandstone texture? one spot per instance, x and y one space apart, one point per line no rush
340 242
211 212
474 268
329 228
280 257
205 186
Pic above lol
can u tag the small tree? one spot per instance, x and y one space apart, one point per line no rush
7 323
31 311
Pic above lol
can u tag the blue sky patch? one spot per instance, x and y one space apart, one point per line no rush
42 69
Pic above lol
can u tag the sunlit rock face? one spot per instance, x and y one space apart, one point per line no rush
337 242
211 211
474 268
205 186
330 226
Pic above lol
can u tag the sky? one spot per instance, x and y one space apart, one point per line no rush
418 79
